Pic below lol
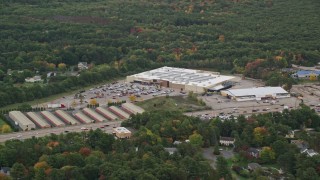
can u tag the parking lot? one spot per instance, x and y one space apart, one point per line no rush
226 108
113 92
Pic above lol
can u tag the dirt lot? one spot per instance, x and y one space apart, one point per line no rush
310 93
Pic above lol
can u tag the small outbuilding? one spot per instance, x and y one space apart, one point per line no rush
121 132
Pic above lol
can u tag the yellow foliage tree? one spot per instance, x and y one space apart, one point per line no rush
6 128
132 98
93 102
62 66
51 66
278 58
74 104
313 77
221 38
42 164
259 133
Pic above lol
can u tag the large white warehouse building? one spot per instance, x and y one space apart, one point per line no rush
180 78
258 93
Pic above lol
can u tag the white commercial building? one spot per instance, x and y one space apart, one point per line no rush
258 93
122 132
21 120
180 78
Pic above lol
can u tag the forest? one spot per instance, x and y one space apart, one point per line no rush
97 155
125 37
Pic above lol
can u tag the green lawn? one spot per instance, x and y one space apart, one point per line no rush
175 103
2 122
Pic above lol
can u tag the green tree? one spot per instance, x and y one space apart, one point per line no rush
18 171
267 155
40 174
222 168
310 174
196 140
216 150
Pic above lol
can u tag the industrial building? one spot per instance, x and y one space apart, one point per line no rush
180 78
305 74
52 118
131 108
258 93
121 132
38 120
21 120
94 115
83 118
107 114
66 117
119 112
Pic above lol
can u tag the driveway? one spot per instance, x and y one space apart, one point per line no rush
208 154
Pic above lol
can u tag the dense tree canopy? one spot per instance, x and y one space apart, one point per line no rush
131 36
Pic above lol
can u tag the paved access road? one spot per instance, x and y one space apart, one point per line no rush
57 130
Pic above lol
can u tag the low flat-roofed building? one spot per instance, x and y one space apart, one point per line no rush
122 132
38 120
119 112
180 78
258 93
23 122
132 108
305 74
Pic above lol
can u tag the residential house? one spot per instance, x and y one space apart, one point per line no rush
253 166
227 141
304 148
5 170
309 152
254 152
51 74
33 79
300 144
171 150
82 66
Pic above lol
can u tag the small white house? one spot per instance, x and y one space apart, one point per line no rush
33 79
227 141
82 65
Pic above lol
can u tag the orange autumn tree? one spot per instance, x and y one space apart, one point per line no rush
251 68
85 151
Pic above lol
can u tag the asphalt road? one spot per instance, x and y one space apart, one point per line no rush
57 130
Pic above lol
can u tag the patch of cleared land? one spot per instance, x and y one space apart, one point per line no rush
175 103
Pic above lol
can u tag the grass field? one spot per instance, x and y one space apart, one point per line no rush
175 103
2 122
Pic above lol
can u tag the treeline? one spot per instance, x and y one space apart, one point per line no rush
10 94
120 30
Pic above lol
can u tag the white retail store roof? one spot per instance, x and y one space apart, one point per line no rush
184 76
258 91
